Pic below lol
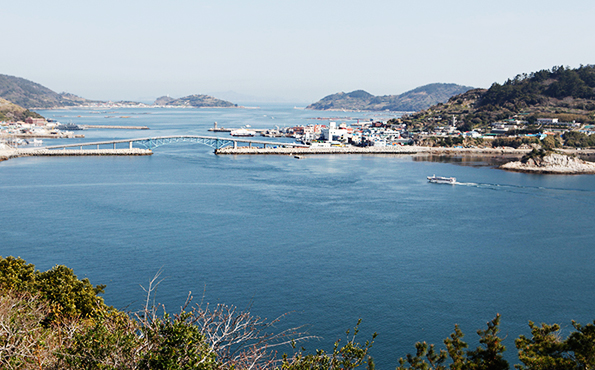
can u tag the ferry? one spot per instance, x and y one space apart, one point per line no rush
442 180
243 132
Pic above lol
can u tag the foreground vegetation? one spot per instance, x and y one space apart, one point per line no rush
53 320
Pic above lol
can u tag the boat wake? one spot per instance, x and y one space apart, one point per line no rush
509 187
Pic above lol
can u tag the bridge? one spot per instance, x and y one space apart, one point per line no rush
154 142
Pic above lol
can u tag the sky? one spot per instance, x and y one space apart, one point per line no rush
292 51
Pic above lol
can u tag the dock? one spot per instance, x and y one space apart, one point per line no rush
32 152
223 129
245 150
84 127
397 149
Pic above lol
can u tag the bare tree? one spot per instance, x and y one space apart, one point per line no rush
237 338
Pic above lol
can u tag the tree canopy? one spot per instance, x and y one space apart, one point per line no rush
84 333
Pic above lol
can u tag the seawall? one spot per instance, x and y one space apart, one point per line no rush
14 153
376 150
332 150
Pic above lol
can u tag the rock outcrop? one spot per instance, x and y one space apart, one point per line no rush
552 163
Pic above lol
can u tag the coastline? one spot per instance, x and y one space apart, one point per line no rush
510 155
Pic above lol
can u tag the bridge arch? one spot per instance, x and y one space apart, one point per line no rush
215 143
155 142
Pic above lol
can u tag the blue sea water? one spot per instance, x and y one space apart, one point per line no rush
330 239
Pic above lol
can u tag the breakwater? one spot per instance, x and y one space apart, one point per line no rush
375 150
87 152
319 150
14 153
115 127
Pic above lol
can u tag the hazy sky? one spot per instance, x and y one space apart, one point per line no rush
292 50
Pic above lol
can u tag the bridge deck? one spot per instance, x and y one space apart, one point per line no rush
217 142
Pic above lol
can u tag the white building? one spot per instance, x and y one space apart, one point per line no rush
547 121
332 133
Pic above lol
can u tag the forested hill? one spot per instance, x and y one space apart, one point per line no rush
197 101
414 100
29 94
563 93
543 88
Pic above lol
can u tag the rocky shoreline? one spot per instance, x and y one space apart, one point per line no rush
554 163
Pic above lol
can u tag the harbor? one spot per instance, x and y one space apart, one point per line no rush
234 207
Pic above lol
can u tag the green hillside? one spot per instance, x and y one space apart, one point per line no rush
562 93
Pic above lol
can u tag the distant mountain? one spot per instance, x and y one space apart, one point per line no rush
12 112
197 101
29 94
414 100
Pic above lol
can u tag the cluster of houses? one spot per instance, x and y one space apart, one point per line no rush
31 129
381 133
358 134
551 126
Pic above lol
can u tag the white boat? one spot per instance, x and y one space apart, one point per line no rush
442 180
242 132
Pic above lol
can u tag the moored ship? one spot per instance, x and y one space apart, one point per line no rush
242 132
69 127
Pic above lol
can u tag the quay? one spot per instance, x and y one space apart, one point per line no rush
41 152
114 127
85 152
244 150
61 135
223 129
406 149
50 136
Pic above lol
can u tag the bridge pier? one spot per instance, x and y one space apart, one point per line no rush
235 144
114 145
130 145
249 144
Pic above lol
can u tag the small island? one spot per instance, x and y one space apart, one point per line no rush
541 161
414 100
